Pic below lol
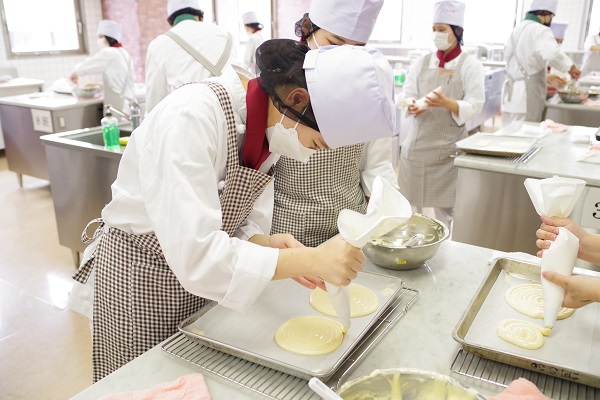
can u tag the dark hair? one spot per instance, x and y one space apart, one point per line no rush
458 32
305 27
255 26
111 41
187 10
543 13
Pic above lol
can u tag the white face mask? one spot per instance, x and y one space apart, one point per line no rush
102 43
314 39
284 141
440 39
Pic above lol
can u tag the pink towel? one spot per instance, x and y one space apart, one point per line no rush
188 387
520 389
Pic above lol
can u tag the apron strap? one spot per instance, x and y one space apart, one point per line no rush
215 70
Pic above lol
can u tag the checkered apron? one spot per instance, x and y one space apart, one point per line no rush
138 300
427 174
309 197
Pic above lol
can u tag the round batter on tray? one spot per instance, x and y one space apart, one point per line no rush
363 301
521 333
310 335
527 299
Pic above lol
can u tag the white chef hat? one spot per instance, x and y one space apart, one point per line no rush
558 29
176 5
110 28
350 19
449 12
249 18
351 92
547 5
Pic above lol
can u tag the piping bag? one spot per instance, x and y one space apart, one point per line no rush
552 197
387 210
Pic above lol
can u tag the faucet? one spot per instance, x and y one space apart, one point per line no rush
135 116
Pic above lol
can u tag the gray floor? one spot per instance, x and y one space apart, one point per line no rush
45 349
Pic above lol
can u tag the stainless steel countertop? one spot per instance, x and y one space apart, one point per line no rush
48 101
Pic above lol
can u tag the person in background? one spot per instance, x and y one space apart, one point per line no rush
310 193
580 289
113 62
255 39
528 52
591 58
191 206
427 176
556 79
190 51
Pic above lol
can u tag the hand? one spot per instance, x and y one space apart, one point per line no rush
310 282
74 78
551 90
556 81
575 72
580 289
441 100
338 262
549 230
283 241
414 110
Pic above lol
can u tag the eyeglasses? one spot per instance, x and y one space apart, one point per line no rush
296 116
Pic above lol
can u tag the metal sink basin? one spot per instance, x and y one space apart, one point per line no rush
94 137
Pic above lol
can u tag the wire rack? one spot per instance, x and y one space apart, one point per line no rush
522 159
275 384
473 366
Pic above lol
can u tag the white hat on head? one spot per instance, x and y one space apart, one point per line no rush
547 5
176 5
450 13
110 28
352 94
249 18
350 19
558 29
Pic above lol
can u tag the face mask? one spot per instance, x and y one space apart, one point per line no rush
102 43
285 141
440 39
314 39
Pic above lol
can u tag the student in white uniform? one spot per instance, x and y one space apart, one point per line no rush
188 221
556 79
591 58
113 62
427 176
346 174
529 50
255 39
580 289
192 50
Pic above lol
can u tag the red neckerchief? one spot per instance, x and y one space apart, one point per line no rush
455 52
256 145
117 45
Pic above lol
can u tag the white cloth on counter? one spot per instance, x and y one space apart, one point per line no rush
556 196
168 184
519 256
471 73
553 127
591 156
582 134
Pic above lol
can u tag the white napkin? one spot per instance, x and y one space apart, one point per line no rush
591 156
554 197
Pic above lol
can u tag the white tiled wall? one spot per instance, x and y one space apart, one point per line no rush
574 13
51 68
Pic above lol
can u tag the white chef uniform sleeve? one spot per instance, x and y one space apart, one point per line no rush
377 160
410 90
590 41
156 80
549 50
95 64
179 186
472 78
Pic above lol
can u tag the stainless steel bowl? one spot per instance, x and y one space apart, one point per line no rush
573 95
87 92
388 252
407 384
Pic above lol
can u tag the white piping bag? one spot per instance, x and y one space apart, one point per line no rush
387 210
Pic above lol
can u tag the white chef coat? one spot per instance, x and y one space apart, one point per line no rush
471 77
169 66
116 66
254 40
168 182
591 59
376 160
536 49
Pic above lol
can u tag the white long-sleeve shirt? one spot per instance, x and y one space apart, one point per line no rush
377 160
254 40
472 77
168 182
169 66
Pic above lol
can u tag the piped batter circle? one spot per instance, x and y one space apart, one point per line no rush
310 335
363 301
521 333
528 299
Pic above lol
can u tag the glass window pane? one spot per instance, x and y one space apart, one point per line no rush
388 23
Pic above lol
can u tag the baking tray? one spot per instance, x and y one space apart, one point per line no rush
571 351
496 145
251 336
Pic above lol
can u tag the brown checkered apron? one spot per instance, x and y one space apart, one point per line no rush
309 197
138 300
427 175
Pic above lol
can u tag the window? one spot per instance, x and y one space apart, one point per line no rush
37 27
387 27
594 19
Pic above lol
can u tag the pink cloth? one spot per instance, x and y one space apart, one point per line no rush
520 389
188 387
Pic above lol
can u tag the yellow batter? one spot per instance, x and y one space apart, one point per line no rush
527 299
521 333
310 335
363 301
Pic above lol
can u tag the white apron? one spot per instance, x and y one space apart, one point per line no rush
427 175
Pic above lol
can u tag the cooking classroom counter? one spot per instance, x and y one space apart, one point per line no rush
421 339
572 114
493 208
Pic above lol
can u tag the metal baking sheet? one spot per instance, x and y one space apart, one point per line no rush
570 352
496 145
251 336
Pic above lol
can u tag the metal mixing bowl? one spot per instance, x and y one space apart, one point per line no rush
87 92
409 384
573 95
387 251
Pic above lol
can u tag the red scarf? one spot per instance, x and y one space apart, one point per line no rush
256 145
455 52
117 45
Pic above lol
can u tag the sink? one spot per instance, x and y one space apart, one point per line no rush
94 137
